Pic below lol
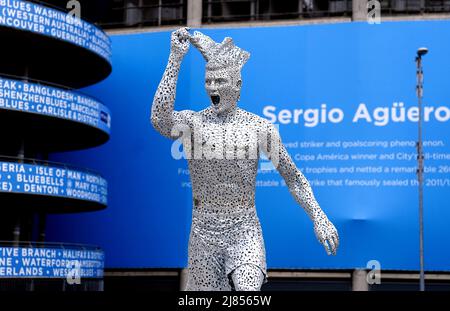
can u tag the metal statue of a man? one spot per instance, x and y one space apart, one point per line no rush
222 144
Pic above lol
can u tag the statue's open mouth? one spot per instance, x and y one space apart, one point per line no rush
215 99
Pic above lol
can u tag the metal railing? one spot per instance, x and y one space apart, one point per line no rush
138 14
398 7
253 10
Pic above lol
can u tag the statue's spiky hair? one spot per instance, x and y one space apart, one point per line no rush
219 55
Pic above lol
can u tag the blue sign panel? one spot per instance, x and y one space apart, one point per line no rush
42 20
343 96
52 181
36 262
54 102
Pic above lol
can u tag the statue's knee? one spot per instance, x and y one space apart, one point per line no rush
247 278
247 287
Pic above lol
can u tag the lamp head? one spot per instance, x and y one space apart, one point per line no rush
422 51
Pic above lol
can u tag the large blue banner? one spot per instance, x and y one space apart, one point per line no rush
39 262
39 19
54 102
344 98
45 180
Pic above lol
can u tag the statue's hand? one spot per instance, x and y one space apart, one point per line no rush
179 43
326 233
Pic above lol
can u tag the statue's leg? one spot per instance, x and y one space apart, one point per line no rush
246 256
247 277
206 271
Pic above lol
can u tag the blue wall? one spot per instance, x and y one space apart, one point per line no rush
297 67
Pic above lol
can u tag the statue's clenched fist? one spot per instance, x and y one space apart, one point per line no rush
179 44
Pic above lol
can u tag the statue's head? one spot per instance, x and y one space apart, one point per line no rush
223 70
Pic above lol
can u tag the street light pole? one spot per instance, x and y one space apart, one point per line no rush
420 160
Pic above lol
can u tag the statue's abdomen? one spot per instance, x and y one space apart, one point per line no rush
223 183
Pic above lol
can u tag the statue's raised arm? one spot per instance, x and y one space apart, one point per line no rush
163 116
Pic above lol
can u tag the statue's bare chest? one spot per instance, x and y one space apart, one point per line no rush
232 140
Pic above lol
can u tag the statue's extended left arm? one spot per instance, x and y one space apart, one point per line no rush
300 188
